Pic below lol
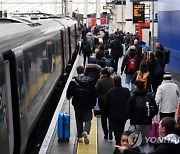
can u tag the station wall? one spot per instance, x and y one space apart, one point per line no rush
169 30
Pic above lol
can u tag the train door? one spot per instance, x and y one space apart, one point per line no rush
9 107
20 98
69 43
6 133
63 48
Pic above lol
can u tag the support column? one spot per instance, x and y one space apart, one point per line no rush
65 7
55 7
85 12
1 9
70 8
98 14
129 17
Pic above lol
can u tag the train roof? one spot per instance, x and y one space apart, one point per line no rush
67 21
14 34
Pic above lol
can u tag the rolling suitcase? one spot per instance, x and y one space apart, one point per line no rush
64 126
154 134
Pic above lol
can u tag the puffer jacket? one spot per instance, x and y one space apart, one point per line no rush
83 91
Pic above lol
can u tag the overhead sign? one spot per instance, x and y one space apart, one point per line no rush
107 7
138 13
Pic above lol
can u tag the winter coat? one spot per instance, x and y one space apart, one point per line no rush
117 98
167 96
132 114
103 85
83 91
93 70
116 49
170 145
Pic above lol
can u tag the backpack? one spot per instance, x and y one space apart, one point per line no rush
145 107
143 77
158 69
132 64
108 62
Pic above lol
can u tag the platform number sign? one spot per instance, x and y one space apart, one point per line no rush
138 13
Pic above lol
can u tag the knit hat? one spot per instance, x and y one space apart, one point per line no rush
167 76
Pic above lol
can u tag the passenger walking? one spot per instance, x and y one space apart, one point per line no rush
144 75
117 98
167 97
141 108
151 62
130 65
116 52
82 89
169 131
103 85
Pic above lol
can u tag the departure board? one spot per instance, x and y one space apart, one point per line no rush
138 13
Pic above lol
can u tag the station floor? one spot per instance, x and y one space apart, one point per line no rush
97 145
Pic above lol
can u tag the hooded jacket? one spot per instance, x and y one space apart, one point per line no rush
167 96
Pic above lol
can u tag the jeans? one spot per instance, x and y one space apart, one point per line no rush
129 85
83 116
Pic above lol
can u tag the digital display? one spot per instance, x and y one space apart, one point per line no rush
138 13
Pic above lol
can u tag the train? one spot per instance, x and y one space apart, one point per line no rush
34 54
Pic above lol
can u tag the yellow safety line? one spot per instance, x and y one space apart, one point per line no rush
91 148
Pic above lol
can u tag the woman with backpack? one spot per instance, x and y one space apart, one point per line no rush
144 75
141 108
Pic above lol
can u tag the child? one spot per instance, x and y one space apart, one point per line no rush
125 142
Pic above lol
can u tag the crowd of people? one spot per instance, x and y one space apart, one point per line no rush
149 90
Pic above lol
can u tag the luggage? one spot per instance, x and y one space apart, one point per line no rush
154 134
45 65
64 126
92 60
97 109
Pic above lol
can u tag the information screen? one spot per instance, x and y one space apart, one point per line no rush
138 13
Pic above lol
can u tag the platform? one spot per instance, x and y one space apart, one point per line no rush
98 145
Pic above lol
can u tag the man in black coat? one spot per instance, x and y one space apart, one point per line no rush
116 52
83 91
117 101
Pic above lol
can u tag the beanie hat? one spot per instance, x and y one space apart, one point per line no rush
167 76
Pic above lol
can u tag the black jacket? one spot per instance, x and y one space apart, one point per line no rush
116 49
167 147
117 98
83 91
131 112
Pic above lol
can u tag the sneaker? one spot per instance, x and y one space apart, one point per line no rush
85 135
79 140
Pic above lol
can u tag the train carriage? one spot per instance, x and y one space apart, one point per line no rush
33 58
